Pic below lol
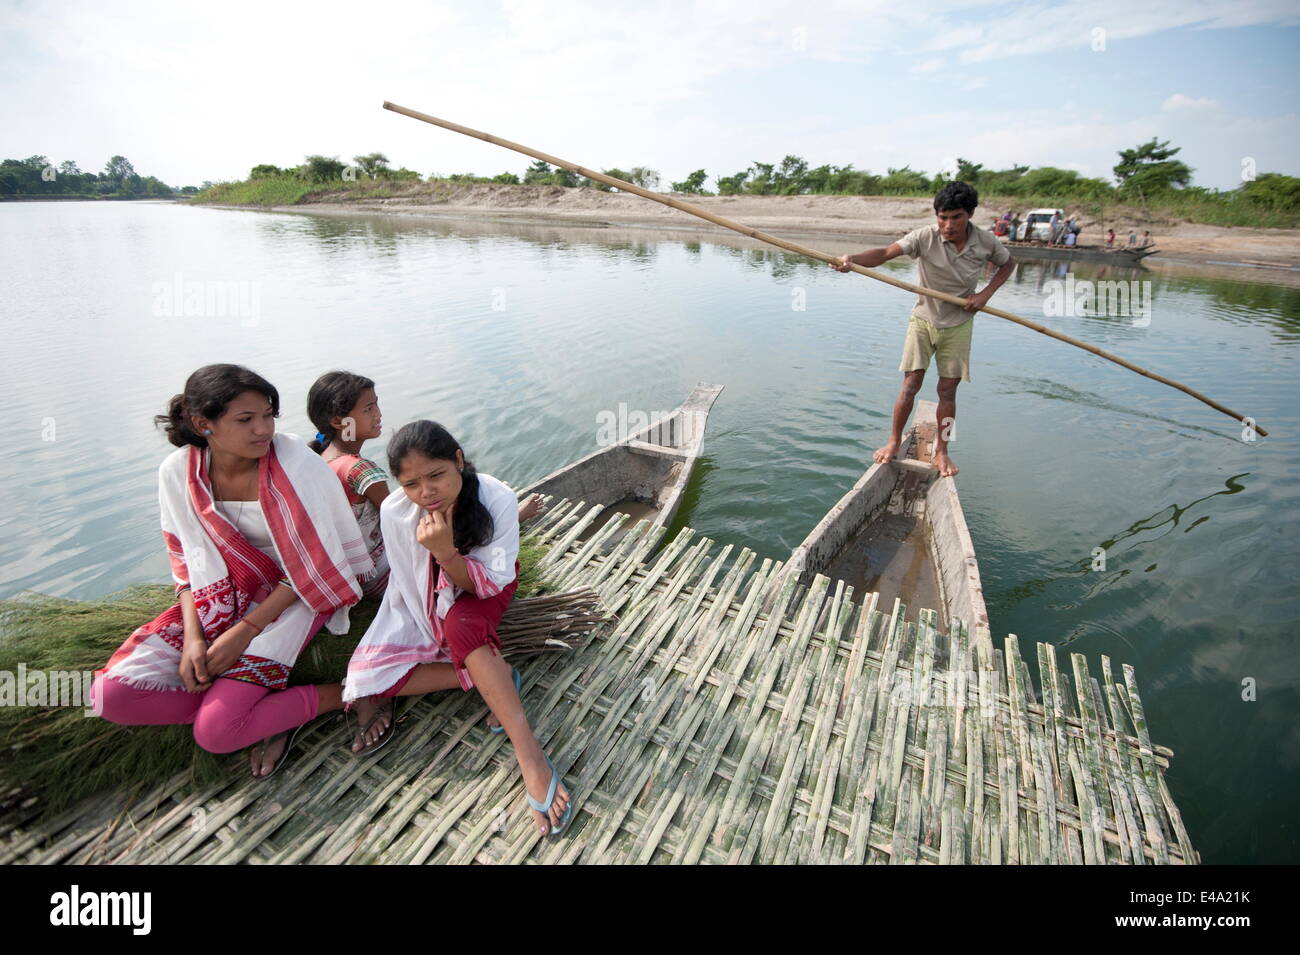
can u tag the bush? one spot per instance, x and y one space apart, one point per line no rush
694 183
322 169
1273 191
903 182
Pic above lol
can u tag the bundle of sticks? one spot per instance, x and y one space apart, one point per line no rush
535 625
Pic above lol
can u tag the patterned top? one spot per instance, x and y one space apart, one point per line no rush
359 474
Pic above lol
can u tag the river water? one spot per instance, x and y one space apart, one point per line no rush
519 336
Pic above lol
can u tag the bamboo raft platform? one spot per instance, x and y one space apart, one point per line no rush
691 727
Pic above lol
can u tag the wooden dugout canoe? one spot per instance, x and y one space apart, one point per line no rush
1124 256
643 475
901 533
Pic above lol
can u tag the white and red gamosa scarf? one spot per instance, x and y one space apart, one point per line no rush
315 534
408 627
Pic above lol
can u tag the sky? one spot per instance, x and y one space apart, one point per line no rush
190 92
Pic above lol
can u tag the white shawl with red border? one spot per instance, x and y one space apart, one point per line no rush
407 629
320 551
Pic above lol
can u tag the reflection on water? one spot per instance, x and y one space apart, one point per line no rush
517 336
1092 567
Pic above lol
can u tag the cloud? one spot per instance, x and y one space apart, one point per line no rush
1097 25
1180 102
673 84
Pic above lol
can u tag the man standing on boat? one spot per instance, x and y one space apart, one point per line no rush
952 254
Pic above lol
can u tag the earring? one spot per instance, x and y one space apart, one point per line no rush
207 431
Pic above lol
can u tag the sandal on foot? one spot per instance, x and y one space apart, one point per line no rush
519 681
284 754
387 706
545 808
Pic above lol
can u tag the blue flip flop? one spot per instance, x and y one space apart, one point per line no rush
545 808
519 681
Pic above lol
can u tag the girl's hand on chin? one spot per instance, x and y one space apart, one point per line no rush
434 533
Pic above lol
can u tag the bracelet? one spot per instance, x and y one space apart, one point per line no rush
253 625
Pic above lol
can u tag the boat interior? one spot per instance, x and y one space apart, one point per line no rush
644 475
900 532
890 552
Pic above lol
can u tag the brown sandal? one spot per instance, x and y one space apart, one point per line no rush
387 706
284 754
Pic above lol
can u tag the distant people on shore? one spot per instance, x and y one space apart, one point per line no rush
1146 240
1110 239
1133 239
1068 228
1053 229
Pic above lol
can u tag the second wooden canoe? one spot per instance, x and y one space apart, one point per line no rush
900 532
645 474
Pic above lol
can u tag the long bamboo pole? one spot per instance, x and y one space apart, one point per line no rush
810 253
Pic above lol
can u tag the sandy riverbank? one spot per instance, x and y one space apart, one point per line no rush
856 217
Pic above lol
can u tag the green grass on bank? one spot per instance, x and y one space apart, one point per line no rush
60 755
290 190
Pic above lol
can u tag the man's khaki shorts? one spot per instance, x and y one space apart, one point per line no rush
950 348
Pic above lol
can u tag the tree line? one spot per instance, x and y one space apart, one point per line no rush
1149 172
37 176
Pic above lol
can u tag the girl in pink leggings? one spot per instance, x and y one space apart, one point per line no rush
264 552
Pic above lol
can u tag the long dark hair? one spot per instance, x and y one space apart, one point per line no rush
471 524
334 394
208 393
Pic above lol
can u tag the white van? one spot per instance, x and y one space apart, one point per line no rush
1037 224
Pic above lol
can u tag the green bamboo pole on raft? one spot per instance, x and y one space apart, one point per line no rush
811 253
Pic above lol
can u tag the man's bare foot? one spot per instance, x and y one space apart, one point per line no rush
531 506
885 454
371 722
537 780
265 754
944 464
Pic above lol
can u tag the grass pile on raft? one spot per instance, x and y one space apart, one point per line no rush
60 755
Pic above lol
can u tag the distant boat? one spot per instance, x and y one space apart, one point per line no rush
645 474
1030 242
1130 257
900 532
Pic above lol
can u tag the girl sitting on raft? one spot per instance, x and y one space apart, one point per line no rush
453 546
264 551
344 409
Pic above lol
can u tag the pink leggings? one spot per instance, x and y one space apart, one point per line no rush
229 715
